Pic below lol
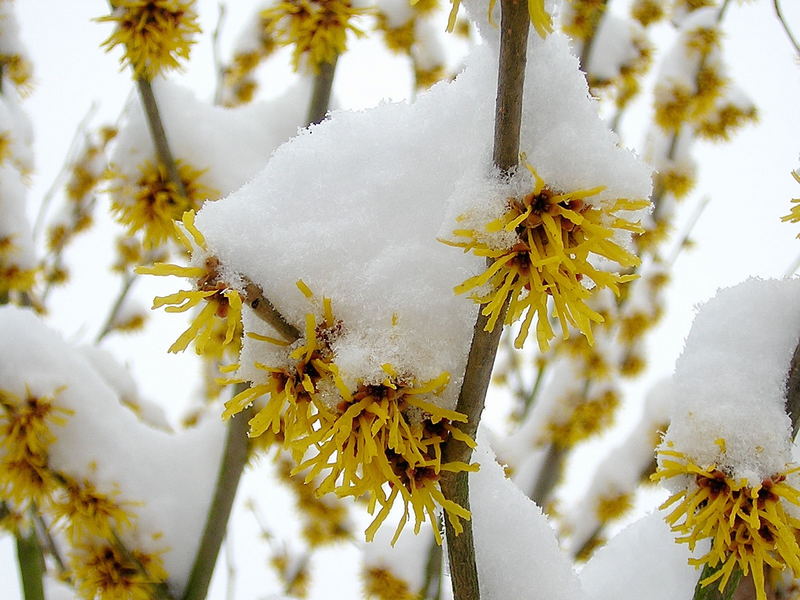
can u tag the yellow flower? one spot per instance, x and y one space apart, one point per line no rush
584 18
221 301
156 34
353 443
102 571
26 423
19 70
647 12
84 512
794 214
317 28
540 18
382 584
292 407
13 277
156 202
324 519
748 524
608 508
388 433
555 234
587 417
724 120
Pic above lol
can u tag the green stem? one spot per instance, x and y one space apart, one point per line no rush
230 471
549 474
432 585
514 27
157 133
588 44
31 565
321 92
530 398
710 592
788 31
112 315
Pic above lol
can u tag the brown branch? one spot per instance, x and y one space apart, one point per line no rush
321 92
549 474
234 458
514 27
266 311
793 391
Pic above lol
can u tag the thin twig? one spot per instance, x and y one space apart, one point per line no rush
793 267
266 311
232 464
432 584
59 178
788 31
50 543
793 391
157 133
127 283
219 69
160 588
687 231
321 92
588 43
514 27
549 474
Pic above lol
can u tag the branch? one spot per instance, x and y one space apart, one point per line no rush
793 391
157 133
549 474
514 26
266 311
234 458
321 92
112 315
588 43
788 31
31 565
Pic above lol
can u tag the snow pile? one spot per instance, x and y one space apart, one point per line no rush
166 480
354 205
744 338
642 561
516 549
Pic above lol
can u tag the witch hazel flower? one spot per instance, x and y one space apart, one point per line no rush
727 454
354 437
539 248
218 324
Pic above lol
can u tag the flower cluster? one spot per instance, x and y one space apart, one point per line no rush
555 233
156 34
90 519
749 525
153 203
316 28
355 441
